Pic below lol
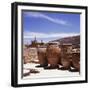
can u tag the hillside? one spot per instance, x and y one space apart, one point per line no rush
74 40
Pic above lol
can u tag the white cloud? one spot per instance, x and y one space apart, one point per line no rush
28 35
53 20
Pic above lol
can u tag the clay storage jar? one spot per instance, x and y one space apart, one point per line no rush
76 60
53 55
41 51
66 56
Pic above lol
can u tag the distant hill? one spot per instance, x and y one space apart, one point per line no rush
74 40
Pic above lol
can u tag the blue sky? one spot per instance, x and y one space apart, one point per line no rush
48 26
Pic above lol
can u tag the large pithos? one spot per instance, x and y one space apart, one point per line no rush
76 61
53 55
41 51
69 60
66 56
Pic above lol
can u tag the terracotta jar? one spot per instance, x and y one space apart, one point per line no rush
76 61
53 55
66 56
41 52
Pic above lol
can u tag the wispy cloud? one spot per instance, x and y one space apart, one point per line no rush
44 16
28 35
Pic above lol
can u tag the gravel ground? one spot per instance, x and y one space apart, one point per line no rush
46 73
